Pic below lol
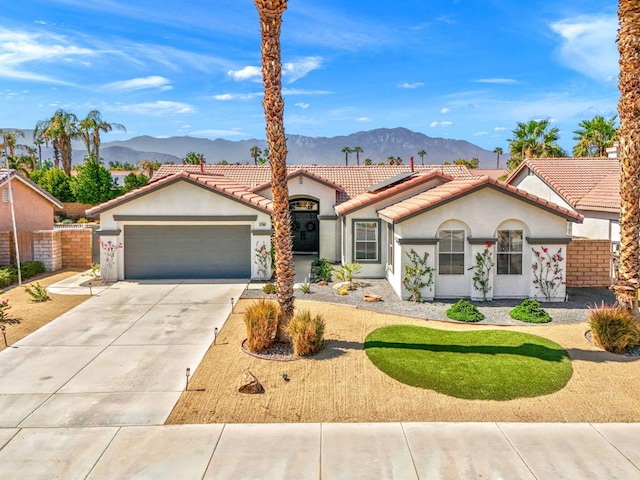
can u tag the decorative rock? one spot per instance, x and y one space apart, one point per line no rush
323 283
249 384
370 297
341 286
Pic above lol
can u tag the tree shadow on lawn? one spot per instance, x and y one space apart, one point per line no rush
336 348
524 350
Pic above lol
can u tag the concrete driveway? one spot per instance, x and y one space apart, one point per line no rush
117 359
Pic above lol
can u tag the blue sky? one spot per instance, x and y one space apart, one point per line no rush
462 69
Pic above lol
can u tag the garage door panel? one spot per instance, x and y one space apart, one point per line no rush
191 251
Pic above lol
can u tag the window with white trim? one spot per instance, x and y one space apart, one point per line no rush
5 195
366 241
451 252
509 255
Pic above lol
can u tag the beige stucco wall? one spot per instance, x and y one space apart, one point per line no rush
33 212
480 215
183 200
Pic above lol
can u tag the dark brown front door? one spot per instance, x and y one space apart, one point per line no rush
305 228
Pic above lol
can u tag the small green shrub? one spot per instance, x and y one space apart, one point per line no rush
37 292
347 271
464 311
67 221
7 277
323 270
261 322
31 269
306 333
82 220
529 311
95 271
270 288
614 329
305 287
4 306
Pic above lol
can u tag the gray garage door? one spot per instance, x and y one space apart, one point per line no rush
190 251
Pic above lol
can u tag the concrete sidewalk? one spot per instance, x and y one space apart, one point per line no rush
328 451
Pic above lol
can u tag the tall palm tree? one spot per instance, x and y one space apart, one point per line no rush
498 151
358 151
534 139
595 136
90 128
270 12
422 153
60 129
346 151
255 154
626 287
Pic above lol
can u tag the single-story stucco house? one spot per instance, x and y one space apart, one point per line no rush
213 220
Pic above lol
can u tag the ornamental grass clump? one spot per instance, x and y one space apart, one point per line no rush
613 328
464 311
306 333
529 311
261 323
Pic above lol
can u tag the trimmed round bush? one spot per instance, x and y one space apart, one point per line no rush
529 311
464 311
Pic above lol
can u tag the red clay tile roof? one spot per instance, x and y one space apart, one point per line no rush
584 183
301 172
458 188
368 197
217 183
352 180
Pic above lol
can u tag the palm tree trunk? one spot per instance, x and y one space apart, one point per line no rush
626 287
270 12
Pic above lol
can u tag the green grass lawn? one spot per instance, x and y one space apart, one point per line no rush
480 365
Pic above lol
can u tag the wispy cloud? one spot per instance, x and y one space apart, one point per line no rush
440 124
480 134
364 119
445 110
21 50
154 81
225 97
302 105
410 85
589 45
298 91
160 107
220 133
504 81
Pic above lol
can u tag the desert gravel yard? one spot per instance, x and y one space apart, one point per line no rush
340 384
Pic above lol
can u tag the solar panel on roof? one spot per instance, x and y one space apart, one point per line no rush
389 181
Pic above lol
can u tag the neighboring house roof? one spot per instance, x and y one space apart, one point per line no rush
455 189
584 183
213 182
369 197
4 178
352 180
494 173
302 172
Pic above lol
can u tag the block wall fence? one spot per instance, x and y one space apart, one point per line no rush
589 263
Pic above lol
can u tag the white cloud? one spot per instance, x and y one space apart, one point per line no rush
154 81
480 134
445 110
500 129
160 107
589 45
293 71
410 85
297 91
249 72
503 81
364 119
301 105
19 49
440 124
225 97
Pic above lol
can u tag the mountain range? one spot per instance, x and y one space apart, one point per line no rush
377 145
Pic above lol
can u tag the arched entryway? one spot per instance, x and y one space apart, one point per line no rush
305 227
